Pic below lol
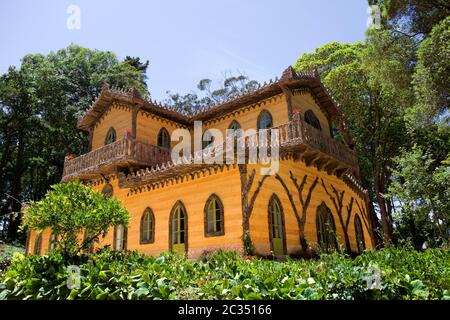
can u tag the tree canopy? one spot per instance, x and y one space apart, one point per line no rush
39 105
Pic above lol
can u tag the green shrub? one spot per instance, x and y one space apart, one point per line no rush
6 253
108 274
70 209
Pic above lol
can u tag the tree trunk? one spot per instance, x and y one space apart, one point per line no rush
385 221
16 190
375 226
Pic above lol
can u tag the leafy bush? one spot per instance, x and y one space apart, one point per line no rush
6 253
70 209
107 274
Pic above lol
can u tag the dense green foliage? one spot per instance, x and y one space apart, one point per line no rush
6 253
431 79
70 209
405 274
423 189
371 82
412 17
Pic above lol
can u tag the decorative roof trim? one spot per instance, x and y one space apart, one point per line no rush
289 79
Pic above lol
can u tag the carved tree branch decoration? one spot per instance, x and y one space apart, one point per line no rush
337 198
363 215
349 212
301 220
247 205
304 202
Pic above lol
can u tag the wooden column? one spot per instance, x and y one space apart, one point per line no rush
134 113
91 135
288 93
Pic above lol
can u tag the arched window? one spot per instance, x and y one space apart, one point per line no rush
208 139
164 138
110 136
326 229
236 127
38 244
52 241
120 238
359 233
107 191
214 217
265 120
311 119
147 226
276 226
90 247
178 228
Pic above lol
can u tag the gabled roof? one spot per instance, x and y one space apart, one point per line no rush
290 79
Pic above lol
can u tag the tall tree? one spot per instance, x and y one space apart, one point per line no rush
371 82
412 17
40 103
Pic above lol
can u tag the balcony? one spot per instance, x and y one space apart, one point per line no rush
317 149
296 137
305 142
120 154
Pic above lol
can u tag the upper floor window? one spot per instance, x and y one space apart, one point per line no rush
208 139
164 138
236 127
265 120
147 226
120 237
110 136
107 191
326 229
38 244
311 119
360 243
214 217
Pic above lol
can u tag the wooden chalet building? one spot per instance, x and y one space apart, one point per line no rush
314 200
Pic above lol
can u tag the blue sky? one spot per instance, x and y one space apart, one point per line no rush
185 41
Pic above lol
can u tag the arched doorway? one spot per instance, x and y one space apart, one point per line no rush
178 229
277 230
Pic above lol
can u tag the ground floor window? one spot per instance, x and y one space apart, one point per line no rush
120 237
326 229
38 244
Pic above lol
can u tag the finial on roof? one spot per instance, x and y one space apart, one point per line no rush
288 74
135 93
105 86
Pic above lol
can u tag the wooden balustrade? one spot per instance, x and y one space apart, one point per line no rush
124 150
299 132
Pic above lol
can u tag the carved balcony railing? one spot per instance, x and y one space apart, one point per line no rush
124 152
298 133
295 137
